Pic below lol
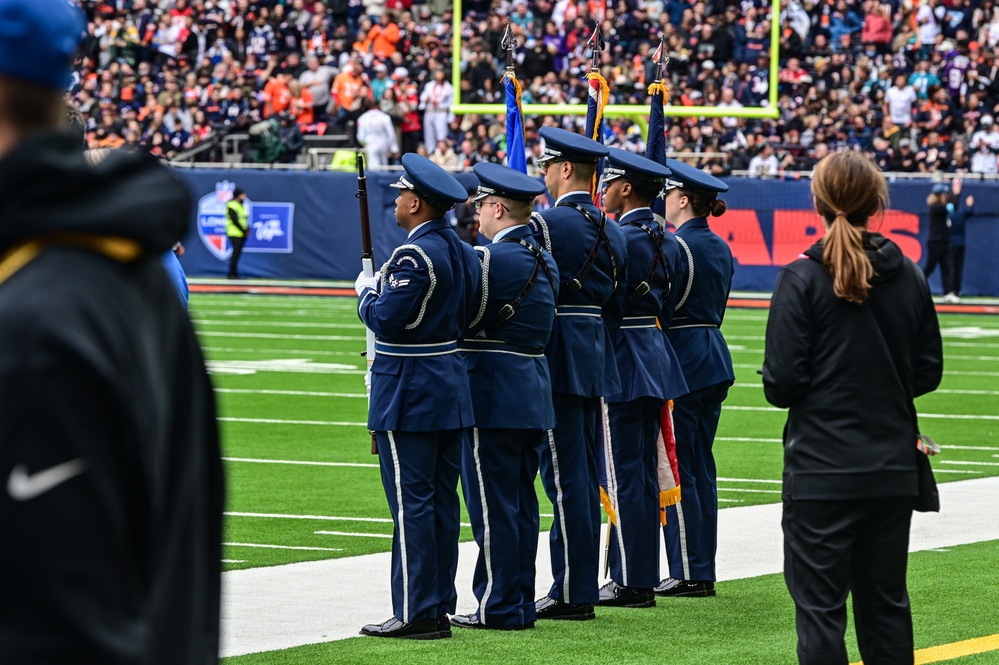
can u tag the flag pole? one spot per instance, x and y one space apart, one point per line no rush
516 150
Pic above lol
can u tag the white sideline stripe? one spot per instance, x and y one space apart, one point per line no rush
325 518
277 421
970 473
986 448
284 547
319 338
304 393
746 489
750 480
969 463
278 324
721 500
302 352
233 560
747 439
938 391
252 460
947 416
356 535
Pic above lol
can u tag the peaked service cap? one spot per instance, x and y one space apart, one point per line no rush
621 163
687 177
430 182
564 145
506 183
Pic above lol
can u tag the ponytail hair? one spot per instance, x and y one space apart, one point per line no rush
704 203
848 189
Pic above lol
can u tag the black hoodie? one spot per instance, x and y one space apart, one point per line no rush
116 558
849 432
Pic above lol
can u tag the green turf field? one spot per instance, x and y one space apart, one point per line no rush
750 622
290 384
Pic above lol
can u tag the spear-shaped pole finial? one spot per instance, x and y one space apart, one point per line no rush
509 44
660 58
596 45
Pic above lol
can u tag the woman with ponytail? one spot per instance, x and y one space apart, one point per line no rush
851 340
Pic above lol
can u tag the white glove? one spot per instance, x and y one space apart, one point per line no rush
363 282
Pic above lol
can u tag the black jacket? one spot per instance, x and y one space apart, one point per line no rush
849 431
117 558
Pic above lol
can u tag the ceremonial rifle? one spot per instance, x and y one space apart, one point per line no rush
368 266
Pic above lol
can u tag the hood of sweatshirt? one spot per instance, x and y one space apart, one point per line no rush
47 187
885 256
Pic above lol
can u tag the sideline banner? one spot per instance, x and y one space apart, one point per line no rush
306 225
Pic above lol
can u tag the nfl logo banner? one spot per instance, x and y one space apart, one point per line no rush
270 223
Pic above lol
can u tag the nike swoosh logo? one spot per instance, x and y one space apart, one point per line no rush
23 487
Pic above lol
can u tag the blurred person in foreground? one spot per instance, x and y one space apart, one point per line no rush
852 338
113 490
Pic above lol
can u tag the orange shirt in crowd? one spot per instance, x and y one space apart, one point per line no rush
276 97
301 108
346 85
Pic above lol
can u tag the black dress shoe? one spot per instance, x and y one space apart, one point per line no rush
613 594
549 608
472 621
423 629
443 625
675 588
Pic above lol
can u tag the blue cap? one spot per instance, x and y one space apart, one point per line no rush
506 183
563 145
621 163
430 182
39 40
940 188
687 177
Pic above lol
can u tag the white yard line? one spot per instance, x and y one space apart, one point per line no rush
253 460
277 421
303 393
328 518
285 547
279 607
947 416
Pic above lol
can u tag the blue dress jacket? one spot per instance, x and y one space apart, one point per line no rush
429 293
508 372
702 286
645 359
581 350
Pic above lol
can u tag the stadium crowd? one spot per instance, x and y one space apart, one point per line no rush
913 84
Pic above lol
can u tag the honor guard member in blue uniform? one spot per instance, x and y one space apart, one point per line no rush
591 255
419 306
504 352
650 374
702 287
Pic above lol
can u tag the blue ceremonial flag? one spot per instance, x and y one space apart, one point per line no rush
516 157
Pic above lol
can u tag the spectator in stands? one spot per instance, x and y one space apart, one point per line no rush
376 134
348 87
899 102
435 101
318 78
444 155
765 162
